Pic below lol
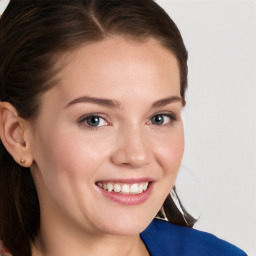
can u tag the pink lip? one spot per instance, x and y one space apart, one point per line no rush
128 199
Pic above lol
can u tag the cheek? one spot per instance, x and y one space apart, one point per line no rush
74 155
67 165
169 152
64 157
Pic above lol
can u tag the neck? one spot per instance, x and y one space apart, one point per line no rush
97 246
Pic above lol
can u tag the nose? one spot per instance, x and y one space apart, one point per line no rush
133 149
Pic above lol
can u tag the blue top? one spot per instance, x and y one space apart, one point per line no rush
165 239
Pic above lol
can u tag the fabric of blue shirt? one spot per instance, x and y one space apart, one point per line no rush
165 239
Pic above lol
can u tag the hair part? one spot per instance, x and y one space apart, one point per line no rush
35 37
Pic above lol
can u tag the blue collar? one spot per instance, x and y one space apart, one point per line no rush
165 239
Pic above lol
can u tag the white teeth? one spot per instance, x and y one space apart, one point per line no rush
125 189
117 188
140 188
110 187
145 186
136 188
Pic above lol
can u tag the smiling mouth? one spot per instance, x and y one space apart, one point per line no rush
123 188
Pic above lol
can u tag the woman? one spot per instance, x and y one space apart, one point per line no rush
92 136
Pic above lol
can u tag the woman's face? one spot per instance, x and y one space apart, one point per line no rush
109 141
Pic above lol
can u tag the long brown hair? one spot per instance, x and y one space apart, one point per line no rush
34 35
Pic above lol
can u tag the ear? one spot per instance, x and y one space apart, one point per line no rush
14 133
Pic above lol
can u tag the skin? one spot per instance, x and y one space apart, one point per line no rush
67 158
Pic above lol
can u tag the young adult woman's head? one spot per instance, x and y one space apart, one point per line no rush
71 75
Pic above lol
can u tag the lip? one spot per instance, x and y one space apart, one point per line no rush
127 199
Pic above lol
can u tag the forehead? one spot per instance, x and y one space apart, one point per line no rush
116 67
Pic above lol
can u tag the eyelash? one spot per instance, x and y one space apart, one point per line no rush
170 115
82 120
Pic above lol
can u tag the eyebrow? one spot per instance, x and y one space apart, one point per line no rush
166 101
115 104
99 101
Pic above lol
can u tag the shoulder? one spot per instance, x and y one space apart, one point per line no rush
163 238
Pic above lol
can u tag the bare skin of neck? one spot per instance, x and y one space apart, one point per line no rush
108 246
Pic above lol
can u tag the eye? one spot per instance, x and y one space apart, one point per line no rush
162 119
92 121
95 121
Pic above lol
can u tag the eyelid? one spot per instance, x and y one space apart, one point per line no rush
92 114
170 114
165 112
82 119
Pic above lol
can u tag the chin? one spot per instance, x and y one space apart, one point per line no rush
126 225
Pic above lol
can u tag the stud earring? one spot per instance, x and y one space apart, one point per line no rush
22 161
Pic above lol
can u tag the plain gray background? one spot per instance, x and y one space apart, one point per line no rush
220 116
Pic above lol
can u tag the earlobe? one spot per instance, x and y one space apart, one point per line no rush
12 132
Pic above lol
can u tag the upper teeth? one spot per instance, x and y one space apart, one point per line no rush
135 188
